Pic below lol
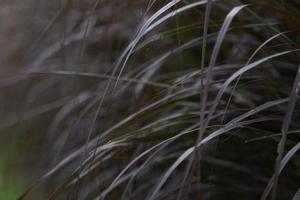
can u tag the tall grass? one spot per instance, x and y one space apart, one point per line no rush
153 99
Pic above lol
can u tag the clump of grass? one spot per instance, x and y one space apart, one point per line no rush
159 100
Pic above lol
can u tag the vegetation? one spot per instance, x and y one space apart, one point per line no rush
178 99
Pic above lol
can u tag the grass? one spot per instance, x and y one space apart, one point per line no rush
153 100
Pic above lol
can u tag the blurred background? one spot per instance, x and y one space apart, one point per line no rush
39 109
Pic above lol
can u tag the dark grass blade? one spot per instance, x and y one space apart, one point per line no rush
235 123
283 163
285 126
